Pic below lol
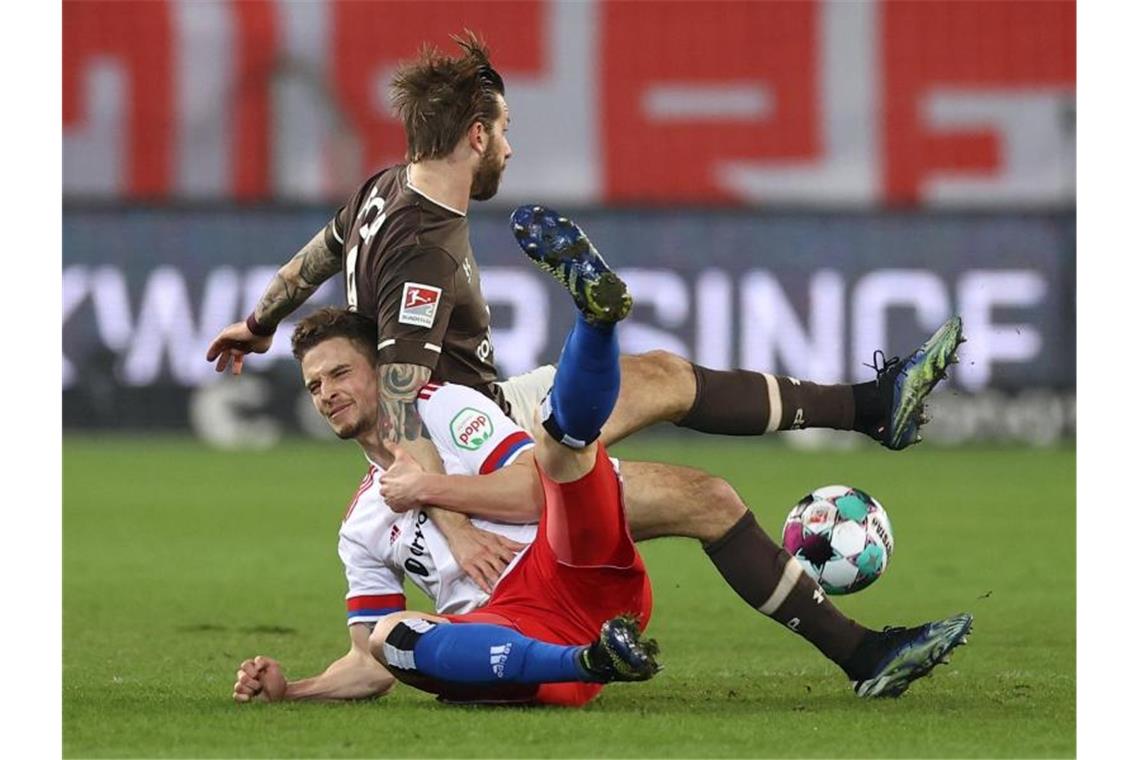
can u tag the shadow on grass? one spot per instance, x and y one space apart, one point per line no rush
215 628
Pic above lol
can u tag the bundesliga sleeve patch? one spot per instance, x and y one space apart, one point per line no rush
419 304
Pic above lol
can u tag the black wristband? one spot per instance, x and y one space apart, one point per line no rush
257 328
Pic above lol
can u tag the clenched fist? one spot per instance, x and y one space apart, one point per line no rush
259 679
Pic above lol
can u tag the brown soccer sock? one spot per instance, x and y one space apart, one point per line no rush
770 580
740 402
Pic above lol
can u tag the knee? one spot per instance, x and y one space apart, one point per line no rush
383 629
657 366
720 506
561 463
664 384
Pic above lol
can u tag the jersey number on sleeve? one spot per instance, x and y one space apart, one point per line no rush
367 232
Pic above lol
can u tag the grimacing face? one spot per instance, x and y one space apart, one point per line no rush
343 386
493 162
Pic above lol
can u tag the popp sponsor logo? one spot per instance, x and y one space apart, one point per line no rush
471 428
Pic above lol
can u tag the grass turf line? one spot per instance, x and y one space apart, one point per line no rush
179 561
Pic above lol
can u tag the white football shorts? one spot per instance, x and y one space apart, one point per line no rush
525 393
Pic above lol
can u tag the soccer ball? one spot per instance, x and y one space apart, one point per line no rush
841 536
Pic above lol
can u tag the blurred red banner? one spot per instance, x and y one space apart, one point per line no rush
813 103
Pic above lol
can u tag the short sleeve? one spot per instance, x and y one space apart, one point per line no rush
374 589
471 428
416 293
336 230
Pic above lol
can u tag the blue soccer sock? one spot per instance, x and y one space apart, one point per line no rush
586 384
478 653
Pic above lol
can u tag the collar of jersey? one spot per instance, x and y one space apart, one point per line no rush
408 184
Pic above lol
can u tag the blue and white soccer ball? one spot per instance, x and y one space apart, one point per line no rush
841 536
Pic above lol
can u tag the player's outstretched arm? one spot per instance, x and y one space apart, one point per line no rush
510 494
357 675
291 287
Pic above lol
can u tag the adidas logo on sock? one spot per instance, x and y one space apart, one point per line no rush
499 656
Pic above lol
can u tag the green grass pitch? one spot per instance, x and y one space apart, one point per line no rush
179 561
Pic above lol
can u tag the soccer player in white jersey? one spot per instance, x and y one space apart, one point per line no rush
382 548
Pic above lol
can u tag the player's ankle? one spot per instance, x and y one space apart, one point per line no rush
867 655
870 406
593 668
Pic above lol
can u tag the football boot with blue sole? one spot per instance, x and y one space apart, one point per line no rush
914 654
908 382
559 247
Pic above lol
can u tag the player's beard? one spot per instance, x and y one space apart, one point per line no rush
350 433
354 429
488 173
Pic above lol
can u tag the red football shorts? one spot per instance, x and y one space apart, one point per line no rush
581 570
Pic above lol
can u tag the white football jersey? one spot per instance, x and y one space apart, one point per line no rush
381 549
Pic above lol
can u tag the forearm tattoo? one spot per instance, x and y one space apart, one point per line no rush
297 280
399 386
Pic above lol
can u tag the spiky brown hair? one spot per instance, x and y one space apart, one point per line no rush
439 97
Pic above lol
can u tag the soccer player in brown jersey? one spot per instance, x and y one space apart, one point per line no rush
402 241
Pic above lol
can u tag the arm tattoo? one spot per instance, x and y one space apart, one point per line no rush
399 386
297 280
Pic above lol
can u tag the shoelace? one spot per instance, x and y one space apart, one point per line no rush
881 364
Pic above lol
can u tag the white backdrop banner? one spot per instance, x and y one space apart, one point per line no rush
806 295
